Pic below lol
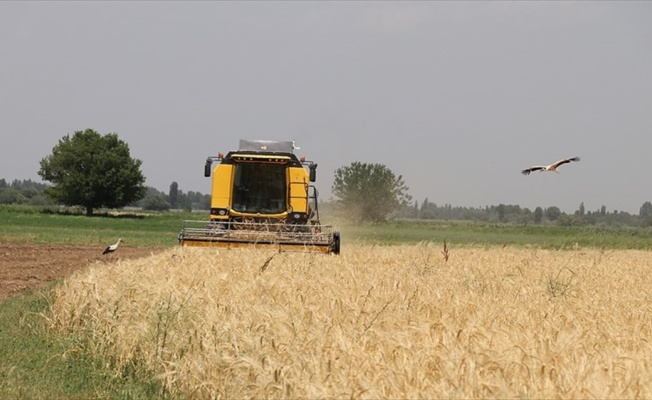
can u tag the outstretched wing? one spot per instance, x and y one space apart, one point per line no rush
534 168
565 161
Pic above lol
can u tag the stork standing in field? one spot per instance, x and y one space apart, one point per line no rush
551 167
111 248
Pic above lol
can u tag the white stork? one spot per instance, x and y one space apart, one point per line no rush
112 248
552 167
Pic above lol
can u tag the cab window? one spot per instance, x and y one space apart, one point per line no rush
259 188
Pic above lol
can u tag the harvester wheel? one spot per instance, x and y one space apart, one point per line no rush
335 249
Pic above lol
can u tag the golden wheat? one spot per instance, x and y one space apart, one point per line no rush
374 322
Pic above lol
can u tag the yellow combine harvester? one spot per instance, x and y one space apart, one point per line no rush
262 196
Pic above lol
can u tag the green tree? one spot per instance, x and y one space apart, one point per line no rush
369 192
552 213
646 210
11 196
501 212
570 220
155 202
174 194
93 171
538 215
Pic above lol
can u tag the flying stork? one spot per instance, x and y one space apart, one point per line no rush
112 248
551 167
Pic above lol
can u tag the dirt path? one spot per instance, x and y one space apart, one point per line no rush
32 266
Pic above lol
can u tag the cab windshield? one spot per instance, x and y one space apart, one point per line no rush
259 188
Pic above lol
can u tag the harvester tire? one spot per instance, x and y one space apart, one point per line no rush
336 243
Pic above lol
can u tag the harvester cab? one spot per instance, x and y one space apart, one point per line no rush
262 195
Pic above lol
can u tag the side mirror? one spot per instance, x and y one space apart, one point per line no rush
207 168
313 172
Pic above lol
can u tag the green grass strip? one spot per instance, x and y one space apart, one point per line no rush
37 364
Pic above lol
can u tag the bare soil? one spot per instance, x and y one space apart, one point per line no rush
33 266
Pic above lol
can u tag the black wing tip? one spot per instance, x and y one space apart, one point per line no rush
526 172
574 159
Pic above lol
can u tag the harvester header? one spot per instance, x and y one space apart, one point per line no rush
262 195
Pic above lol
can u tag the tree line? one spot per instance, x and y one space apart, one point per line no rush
29 192
24 192
514 214
94 171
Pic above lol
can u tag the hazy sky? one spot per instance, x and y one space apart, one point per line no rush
457 97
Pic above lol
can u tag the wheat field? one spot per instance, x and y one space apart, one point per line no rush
374 322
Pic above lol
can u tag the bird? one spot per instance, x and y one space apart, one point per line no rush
112 248
294 146
552 167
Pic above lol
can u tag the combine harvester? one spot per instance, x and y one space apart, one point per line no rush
262 196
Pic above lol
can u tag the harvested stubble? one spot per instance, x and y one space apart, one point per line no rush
374 322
